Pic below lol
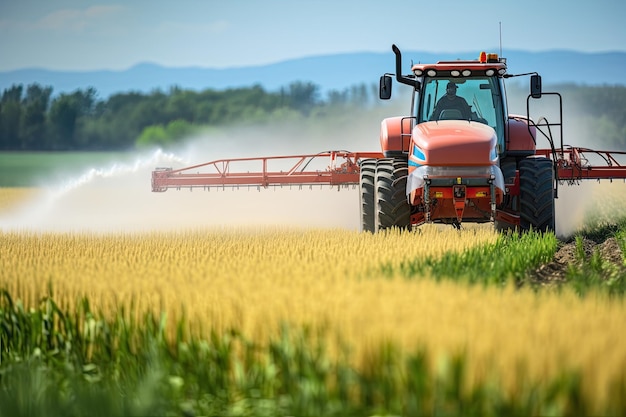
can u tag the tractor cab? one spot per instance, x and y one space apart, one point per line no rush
470 90
476 99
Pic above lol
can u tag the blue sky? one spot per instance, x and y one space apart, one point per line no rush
96 34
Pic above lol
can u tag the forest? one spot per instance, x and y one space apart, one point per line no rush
33 118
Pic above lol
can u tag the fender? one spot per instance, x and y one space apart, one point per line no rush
395 136
520 139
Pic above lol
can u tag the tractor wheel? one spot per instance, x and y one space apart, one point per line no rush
393 209
536 194
367 197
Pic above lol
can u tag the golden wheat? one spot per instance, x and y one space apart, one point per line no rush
253 280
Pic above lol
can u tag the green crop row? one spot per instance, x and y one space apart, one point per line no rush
593 271
508 259
513 257
72 363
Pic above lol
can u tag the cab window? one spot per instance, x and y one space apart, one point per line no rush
481 95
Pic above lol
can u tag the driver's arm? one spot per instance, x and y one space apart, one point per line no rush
468 109
436 111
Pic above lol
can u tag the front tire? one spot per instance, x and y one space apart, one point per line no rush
393 209
367 196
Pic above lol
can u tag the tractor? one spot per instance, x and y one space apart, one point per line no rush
459 156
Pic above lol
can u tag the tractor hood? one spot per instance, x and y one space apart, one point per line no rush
453 149
454 142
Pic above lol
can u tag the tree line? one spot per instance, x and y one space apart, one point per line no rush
32 118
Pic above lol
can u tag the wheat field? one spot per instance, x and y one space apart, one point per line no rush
256 280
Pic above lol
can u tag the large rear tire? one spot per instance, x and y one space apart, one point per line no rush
536 194
393 209
367 196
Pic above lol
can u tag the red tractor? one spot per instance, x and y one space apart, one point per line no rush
459 156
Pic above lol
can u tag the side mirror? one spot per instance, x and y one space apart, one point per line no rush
535 86
384 91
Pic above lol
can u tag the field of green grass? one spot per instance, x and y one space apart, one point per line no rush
30 169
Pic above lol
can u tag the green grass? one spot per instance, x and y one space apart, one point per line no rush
31 169
513 257
56 362
592 272
506 260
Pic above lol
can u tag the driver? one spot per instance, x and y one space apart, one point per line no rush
450 101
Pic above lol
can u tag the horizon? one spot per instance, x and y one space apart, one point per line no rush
334 72
462 55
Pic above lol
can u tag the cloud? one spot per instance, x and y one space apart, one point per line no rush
209 28
72 20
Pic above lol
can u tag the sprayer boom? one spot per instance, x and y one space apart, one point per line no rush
342 169
573 164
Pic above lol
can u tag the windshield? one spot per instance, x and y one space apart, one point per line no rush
477 99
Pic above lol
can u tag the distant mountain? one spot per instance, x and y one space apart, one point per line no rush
330 72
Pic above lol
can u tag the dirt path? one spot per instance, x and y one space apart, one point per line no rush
566 255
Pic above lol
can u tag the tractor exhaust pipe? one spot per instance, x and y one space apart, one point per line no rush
402 78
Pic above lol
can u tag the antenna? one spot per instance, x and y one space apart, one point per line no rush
500 38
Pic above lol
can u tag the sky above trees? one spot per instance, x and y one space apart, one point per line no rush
94 34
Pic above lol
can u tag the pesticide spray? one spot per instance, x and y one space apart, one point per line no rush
118 198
